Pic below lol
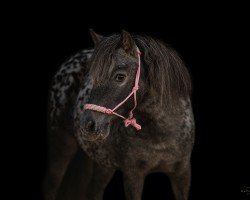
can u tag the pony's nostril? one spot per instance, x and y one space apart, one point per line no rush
90 126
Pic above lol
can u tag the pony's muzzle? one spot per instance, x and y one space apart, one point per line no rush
94 124
90 126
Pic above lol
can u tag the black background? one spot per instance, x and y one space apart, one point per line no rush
44 37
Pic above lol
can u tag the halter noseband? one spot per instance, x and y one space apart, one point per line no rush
130 120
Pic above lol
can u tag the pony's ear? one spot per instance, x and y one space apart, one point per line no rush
127 42
95 37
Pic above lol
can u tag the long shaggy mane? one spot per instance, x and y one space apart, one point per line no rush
165 71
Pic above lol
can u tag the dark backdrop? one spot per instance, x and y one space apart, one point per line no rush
49 36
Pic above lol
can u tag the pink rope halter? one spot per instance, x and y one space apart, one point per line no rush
130 120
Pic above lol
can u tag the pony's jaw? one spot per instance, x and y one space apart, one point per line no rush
101 134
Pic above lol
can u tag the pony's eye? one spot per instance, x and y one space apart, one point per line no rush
120 77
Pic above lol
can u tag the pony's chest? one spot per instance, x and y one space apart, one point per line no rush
100 153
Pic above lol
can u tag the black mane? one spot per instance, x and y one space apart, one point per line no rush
167 75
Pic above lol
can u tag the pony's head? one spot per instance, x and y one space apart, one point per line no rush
112 69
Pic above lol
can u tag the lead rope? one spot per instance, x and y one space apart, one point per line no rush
130 120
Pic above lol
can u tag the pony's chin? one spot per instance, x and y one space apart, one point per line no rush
100 136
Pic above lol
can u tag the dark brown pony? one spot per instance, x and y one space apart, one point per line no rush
105 76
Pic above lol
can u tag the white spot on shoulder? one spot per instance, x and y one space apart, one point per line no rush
71 79
89 55
188 116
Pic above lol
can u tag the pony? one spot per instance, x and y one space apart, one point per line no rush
161 104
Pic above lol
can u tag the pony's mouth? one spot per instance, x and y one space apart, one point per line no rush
97 135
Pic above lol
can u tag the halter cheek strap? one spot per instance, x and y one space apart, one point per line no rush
130 120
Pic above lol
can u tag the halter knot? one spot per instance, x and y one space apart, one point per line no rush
132 122
109 111
135 88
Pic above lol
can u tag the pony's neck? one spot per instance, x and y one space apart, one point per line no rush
160 113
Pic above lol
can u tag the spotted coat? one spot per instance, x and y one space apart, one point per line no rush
65 86
71 88
164 144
